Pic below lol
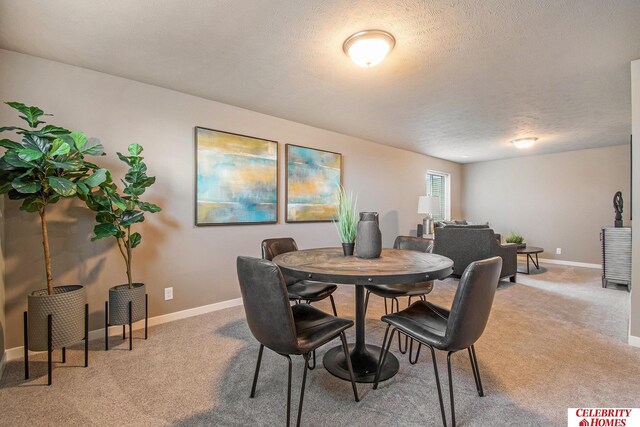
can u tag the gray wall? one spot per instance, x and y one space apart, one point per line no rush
198 262
634 326
2 297
554 200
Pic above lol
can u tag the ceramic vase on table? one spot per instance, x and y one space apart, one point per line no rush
368 237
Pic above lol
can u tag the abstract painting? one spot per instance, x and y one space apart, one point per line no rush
236 179
312 184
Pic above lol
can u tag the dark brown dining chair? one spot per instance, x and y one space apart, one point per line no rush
391 293
299 290
450 330
285 329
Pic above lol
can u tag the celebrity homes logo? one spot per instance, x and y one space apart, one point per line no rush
603 417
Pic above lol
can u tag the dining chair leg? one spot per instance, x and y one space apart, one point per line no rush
411 359
333 305
385 307
255 375
384 341
383 356
366 302
347 357
476 370
289 391
406 342
453 408
406 338
311 368
304 382
435 371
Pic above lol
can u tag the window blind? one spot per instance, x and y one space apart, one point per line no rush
438 184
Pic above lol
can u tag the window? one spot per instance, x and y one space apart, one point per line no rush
439 184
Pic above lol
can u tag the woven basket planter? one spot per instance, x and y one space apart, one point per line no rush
66 307
119 297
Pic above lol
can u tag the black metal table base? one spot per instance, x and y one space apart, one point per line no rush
535 262
364 364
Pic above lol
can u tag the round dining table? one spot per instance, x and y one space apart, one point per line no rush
394 266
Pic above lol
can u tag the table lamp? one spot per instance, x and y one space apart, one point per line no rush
428 205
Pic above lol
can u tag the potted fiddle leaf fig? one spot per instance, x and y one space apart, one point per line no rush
116 214
45 166
347 220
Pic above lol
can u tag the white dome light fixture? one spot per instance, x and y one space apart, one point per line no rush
368 48
524 142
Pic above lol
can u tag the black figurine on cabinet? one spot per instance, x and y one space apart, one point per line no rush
617 206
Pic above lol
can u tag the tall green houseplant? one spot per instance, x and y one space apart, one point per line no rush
45 166
117 213
347 219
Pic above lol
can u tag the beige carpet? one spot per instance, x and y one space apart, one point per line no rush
555 340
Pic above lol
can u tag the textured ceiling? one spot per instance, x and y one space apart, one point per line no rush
464 79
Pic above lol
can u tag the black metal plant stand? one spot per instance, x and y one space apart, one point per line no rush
50 344
124 331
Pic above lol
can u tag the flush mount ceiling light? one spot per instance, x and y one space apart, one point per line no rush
368 48
524 142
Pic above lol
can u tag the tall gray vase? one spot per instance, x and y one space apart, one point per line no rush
369 237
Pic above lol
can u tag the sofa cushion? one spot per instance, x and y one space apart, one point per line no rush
468 226
460 223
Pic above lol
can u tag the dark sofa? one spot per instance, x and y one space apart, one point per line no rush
466 244
461 223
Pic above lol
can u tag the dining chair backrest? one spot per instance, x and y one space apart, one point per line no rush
266 304
413 243
472 303
274 247
271 248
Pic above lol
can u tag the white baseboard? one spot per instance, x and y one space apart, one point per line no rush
570 263
14 353
18 352
3 362
634 341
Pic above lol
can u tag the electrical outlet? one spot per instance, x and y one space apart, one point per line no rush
168 293
558 251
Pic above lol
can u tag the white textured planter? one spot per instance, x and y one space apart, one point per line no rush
119 297
66 306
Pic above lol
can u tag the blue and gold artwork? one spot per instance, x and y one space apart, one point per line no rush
237 179
313 184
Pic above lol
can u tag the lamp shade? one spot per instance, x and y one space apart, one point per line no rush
428 204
